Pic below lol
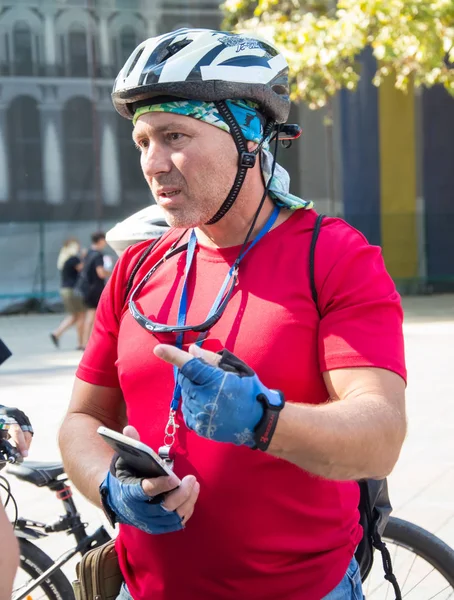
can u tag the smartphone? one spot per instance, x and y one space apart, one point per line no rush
141 459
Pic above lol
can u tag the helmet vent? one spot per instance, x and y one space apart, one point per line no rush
174 49
134 62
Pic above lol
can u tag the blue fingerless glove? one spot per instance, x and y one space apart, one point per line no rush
228 403
124 501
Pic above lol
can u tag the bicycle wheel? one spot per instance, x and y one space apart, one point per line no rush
422 563
33 562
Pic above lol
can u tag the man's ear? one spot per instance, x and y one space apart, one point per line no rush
251 146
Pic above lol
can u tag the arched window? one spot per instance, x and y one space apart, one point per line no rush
133 185
77 52
127 42
78 127
22 49
24 135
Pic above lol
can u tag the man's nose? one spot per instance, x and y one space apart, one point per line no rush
155 160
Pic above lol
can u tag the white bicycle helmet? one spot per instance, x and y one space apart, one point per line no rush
212 66
208 65
147 224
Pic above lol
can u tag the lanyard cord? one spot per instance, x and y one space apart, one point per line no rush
183 306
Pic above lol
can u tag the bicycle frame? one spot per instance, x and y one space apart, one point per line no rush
69 522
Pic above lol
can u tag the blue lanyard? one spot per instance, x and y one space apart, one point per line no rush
183 306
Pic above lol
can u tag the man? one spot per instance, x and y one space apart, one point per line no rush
267 504
92 280
18 427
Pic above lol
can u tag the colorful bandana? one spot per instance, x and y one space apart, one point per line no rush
252 122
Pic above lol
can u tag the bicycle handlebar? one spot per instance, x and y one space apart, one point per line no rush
8 453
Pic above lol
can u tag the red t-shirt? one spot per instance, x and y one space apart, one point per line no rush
262 527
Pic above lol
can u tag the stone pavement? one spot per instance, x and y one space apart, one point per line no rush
38 379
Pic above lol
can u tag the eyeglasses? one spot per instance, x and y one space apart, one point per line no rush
177 334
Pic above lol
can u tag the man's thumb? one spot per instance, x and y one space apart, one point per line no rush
209 357
131 432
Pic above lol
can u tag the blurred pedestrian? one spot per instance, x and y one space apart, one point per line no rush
69 263
92 280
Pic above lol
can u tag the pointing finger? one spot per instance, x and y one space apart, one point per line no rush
172 355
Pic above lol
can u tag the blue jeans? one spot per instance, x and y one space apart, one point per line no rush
348 589
124 594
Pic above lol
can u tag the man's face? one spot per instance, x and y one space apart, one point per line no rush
189 165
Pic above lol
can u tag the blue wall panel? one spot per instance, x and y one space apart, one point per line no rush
360 153
438 165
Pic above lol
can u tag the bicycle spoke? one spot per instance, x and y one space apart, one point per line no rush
416 584
408 575
444 590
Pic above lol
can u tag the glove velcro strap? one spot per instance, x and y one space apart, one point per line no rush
104 493
266 427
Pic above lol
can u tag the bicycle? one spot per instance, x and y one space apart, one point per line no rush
38 573
422 563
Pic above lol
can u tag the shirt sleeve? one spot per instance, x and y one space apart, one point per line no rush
98 364
361 324
98 260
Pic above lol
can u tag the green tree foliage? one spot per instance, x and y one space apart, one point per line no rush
321 40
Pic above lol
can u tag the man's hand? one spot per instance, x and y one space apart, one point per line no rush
18 427
182 499
21 439
153 504
222 398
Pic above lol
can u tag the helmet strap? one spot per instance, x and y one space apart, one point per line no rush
265 194
246 159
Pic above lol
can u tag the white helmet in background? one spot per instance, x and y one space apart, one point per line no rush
147 224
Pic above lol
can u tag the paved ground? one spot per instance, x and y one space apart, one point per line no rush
39 378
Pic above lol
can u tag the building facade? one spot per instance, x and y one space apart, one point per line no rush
68 164
64 152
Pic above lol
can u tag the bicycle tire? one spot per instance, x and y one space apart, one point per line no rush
33 561
422 543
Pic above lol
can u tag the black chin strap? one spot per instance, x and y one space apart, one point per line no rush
265 194
246 159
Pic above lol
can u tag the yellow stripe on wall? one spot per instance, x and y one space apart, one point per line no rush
398 180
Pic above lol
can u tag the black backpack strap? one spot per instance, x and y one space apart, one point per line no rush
315 234
137 266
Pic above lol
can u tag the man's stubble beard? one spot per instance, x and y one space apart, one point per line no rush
190 215
194 213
